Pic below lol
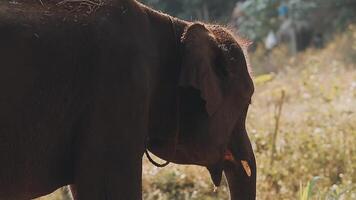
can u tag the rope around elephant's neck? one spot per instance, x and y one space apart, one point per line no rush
154 162
176 138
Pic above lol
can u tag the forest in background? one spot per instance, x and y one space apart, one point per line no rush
256 18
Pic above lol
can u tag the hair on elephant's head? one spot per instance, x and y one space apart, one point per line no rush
215 93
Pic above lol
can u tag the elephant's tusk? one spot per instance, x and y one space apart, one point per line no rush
246 167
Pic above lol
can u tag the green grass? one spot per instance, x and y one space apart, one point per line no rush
314 149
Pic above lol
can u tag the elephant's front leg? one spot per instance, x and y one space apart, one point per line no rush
109 165
117 179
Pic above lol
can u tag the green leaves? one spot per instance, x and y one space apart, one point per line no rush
306 192
258 17
261 16
335 192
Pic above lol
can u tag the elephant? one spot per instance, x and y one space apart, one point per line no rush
86 88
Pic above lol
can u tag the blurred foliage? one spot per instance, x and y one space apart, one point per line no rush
259 17
206 10
315 156
264 61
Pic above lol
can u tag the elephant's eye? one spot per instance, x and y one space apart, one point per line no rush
220 67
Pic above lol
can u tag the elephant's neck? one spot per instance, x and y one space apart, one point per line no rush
166 32
166 27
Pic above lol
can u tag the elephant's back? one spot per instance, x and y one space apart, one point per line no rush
39 62
49 65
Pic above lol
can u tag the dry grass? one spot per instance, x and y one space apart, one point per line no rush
318 124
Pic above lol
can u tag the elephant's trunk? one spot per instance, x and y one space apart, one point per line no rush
240 168
241 177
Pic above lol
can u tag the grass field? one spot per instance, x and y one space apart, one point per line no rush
311 154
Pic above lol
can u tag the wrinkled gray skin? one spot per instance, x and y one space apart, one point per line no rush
81 97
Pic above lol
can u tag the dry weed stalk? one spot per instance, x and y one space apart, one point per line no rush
277 118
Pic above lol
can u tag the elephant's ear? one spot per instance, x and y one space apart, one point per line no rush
199 55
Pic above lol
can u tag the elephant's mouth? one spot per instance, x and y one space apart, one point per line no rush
189 153
228 160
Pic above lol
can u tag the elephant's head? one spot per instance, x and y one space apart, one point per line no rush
215 93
